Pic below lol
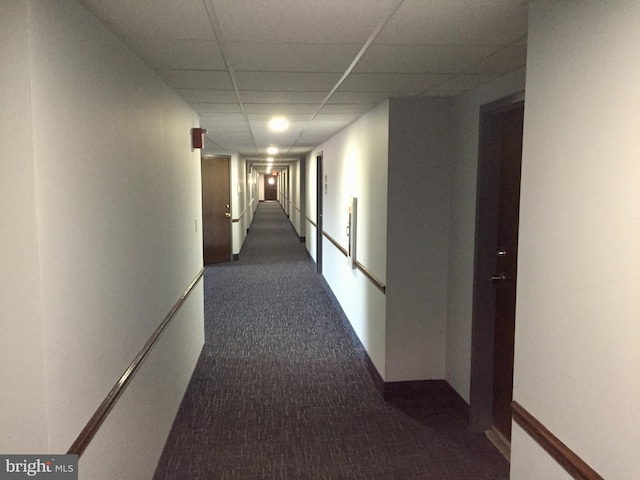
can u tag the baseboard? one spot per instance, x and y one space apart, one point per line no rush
438 390
422 389
371 368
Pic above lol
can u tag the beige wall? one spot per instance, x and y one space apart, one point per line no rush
23 412
577 353
106 186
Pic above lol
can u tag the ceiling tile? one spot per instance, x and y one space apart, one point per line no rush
203 107
223 120
459 84
421 58
209 96
367 98
508 59
283 97
178 54
186 19
206 79
264 118
287 81
334 118
270 57
358 108
404 83
281 108
459 22
301 21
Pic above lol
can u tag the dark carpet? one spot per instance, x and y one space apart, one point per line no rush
281 392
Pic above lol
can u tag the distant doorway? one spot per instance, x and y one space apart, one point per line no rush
495 269
216 214
270 187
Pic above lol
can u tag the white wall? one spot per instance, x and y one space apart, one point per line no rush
577 352
23 413
117 195
462 219
355 163
417 237
260 187
311 205
296 199
239 204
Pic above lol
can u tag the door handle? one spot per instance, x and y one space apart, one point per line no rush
500 277
227 214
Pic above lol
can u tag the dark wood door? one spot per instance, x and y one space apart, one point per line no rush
271 187
509 135
319 200
216 214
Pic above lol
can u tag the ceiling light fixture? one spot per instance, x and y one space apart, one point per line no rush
272 150
278 124
270 159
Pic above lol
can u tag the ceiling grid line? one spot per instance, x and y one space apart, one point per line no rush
217 32
349 69
237 63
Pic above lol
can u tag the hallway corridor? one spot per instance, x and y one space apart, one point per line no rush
280 391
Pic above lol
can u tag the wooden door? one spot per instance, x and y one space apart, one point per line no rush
510 123
270 187
216 214
319 200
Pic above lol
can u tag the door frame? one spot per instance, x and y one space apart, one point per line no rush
227 158
319 199
483 310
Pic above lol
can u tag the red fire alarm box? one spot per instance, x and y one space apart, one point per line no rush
197 135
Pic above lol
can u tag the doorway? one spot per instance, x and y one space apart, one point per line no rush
216 213
495 265
270 187
319 198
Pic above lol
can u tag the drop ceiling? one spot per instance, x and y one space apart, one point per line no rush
319 63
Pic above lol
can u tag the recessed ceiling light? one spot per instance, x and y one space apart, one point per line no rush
272 150
278 124
270 159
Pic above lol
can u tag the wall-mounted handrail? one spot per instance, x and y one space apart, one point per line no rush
562 454
93 425
365 271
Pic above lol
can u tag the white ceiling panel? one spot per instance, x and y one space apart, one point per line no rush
460 83
205 79
301 21
208 96
456 22
507 59
224 119
271 57
281 108
178 54
357 108
283 97
287 81
389 82
263 118
286 56
421 58
203 107
186 19
367 98
334 118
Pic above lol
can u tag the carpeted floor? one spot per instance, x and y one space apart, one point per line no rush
280 391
